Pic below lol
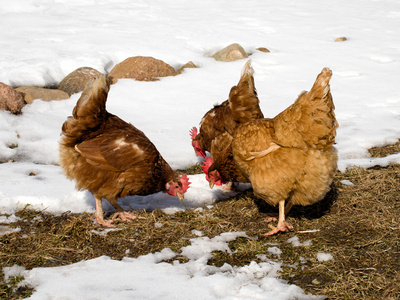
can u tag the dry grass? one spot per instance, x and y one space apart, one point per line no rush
358 225
385 151
362 232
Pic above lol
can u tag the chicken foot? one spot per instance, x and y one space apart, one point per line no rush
125 216
282 226
99 214
121 214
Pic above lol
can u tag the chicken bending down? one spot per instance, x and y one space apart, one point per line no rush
111 158
218 125
291 157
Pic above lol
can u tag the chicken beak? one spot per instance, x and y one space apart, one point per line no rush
211 184
180 196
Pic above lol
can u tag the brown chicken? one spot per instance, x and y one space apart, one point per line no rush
111 158
218 125
291 157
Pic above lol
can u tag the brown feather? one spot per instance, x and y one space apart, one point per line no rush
108 156
311 119
219 123
291 157
221 153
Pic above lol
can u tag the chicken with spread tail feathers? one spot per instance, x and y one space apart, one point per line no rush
218 125
291 157
111 158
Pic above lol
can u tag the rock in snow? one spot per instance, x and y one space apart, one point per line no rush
10 99
231 53
141 68
75 81
32 93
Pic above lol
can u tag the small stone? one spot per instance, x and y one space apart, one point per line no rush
31 93
75 81
315 282
341 39
231 53
141 68
190 64
263 49
10 99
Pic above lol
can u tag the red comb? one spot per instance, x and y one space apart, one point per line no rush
193 132
206 165
185 183
196 144
211 176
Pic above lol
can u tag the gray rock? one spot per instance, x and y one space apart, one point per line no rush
263 49
75 81
190 64
341 39
31 93
10 99
141 68
231 53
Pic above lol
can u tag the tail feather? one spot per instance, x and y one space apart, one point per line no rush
93 99
89 112
247 75
310 121
321 87
243 99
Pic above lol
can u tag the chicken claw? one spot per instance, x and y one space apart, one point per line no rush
271 219
122 215
125 216
103 222
283 227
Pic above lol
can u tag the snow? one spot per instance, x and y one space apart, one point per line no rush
346 182
104 278
7 229
324 256
295 241
275 250
43 41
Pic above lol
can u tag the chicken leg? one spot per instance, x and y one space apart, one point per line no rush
283 226
99 214
120 213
